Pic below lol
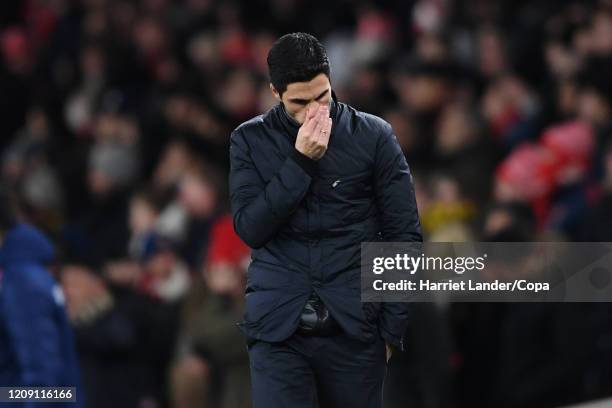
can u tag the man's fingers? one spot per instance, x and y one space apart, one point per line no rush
313 112
311 116
306 116
312 124
310 113
320 125
316 127
323 136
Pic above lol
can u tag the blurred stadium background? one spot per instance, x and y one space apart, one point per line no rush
115 118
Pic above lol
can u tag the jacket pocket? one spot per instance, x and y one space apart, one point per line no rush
267 276
258 305
349 197
348 187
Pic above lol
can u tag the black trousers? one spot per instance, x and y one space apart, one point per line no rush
336 371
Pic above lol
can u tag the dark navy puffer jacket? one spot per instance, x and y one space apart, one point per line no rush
306 219
36 340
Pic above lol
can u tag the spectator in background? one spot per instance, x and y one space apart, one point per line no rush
36 340
597 226
594 107
572 145
448 209
199 194
422 89
462 150
212 366
510 109
16 74
27 168
165 276
112 169
144 213
175 161
123 338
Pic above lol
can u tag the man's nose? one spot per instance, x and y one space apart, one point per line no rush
313 105
316 105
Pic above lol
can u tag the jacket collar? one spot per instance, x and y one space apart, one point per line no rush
292 126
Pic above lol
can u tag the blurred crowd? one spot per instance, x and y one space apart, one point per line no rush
116 116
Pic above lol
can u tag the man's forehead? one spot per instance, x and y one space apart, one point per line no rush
309 89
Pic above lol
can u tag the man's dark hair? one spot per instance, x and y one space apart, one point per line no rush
296 57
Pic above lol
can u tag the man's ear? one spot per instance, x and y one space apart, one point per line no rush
275 93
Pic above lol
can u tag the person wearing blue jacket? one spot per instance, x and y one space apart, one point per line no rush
36 340
309 181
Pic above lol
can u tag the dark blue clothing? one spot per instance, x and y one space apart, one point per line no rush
338 371
306 219
36 341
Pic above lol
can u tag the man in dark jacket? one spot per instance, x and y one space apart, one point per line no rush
36 341
310 180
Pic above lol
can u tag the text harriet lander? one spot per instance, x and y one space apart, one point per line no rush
459 286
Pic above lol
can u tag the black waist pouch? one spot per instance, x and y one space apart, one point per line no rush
316 319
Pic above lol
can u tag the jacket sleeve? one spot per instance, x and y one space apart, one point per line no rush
399 221
260 209
34 333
